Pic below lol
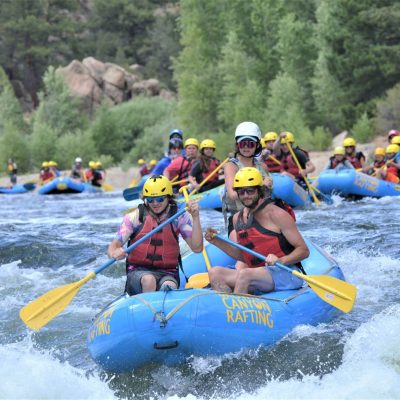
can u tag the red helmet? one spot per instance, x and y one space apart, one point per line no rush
392 133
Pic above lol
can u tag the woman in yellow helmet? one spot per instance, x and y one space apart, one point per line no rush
379 162
356 158
180 167
46 174
154 264
206 164
338 161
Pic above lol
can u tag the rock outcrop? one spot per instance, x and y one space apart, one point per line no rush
94 82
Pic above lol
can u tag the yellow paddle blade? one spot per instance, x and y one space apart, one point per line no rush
198 281
334 291
42 310
107 187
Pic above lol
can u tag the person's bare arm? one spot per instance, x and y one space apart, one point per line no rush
289 229
230 170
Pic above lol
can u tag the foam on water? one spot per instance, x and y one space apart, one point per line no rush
27 373
370 368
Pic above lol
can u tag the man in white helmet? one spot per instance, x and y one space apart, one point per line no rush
77 171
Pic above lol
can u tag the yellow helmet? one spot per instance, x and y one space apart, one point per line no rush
207 144
339 151
289 137
263 143
153 162
379 151
192 141
395 140
157 185
246 177
392 148
98 164
141 161
52 164
270 136
45 164
92 164
349 142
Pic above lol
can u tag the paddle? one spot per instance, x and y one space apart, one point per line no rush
310 188
29 186
333 291
107 187
209 177
42 310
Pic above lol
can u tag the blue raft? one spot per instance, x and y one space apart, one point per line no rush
18 189
66 185
168 327
349 182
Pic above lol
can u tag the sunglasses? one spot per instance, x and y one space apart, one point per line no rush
242 191
250 144
158 199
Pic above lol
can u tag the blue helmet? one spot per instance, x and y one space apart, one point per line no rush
176 133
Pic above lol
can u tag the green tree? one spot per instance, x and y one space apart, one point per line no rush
43 142
202 36
35 34
285 109
14 144
363 129
388 111
241 97
121 22
58 109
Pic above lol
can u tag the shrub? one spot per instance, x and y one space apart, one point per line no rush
363 129
14 144
321 139
43 143
388 111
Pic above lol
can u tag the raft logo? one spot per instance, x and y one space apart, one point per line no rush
246 310
364 181
101 326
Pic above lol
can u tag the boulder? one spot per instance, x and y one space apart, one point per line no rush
149 87
96 68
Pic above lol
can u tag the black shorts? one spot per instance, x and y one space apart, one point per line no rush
134 277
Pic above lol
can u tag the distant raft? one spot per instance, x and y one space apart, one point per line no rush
170 326
18 189
66 185
351 183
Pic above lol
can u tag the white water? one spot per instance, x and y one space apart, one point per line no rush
54 364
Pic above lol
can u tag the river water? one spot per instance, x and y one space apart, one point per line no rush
49 241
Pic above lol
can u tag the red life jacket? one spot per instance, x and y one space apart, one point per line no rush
184 169
143 170
46 175
89 174
271 164
211 168
254 236
393 170
289 165
379 164
355 160
334 162
159 251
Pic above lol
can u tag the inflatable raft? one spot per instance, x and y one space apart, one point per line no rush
64 185
18 189
167 327
351 183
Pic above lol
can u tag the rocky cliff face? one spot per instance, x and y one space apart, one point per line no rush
94 82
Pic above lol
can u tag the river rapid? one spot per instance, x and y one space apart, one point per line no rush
49 241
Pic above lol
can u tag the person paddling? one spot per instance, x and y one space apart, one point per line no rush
78 171
338 161
266 229
203 167
181 166
267 155
379 162
356 158
153 265
391 171
12 170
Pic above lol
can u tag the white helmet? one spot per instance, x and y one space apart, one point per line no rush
78 160
249 130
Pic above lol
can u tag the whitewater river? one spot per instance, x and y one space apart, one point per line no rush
48 242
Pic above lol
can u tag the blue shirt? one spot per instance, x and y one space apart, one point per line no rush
397 158
161 165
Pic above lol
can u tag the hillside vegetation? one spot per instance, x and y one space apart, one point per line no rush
313 67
